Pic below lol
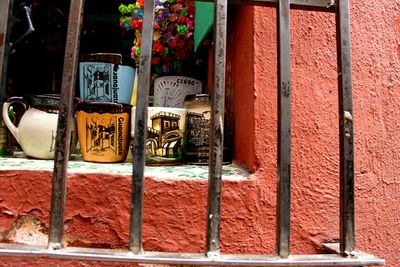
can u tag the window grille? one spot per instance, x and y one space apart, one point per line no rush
343 253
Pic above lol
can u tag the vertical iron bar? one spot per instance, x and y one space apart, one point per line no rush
6 10
62 148
139 160
347 241
284 130
217 132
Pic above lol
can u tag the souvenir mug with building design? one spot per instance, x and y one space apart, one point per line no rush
165 132
104 131
170 91
37 128
106 78
198 128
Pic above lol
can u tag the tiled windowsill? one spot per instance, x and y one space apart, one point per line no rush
76 165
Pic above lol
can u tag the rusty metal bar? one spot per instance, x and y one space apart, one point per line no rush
313 5
217 133
284 130
116 255
139 160
62 145
6 14
347 240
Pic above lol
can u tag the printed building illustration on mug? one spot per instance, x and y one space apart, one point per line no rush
198 137
164 136
101 135
97 80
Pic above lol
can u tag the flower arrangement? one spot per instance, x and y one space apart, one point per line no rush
173 38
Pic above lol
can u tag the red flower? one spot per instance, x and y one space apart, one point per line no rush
155 61
136 24
173 33
182 19
190 24
174 42
158 47
190 9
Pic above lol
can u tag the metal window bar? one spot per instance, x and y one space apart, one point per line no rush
339 254
135 237
217 126
6 8
284 130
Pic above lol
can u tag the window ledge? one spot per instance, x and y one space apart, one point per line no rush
76 165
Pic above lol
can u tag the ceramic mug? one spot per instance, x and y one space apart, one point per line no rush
104 78
198 128
103 131
170 91
165 135
37 128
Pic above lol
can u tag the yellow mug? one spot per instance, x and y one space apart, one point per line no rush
103 131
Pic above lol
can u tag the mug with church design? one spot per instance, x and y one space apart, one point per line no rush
104 131
106 78
165 135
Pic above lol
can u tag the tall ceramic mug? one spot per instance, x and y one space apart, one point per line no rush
104 131
105 78
36 131
198 128
165 133
170 91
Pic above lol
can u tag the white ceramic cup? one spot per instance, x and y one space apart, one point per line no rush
170 91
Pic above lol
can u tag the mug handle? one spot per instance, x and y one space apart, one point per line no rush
6 106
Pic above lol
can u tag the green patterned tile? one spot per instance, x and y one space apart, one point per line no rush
20 162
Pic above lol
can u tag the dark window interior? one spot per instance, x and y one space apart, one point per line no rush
36 61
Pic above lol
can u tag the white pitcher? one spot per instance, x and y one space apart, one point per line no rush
36 131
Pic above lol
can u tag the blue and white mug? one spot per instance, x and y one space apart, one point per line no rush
103 78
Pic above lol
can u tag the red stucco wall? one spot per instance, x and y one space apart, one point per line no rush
98 205
375 36
97 212
243 80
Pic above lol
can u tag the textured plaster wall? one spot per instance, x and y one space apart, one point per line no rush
97 213
243 80
375 35
98 205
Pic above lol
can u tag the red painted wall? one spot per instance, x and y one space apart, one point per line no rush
243 80
375 35
97 212
98 205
